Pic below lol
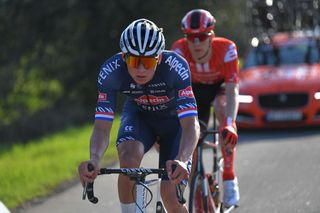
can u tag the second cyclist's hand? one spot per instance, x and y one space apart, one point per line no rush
180 173
229 135
85 175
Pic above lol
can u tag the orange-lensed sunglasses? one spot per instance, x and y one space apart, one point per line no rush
197 36
134 61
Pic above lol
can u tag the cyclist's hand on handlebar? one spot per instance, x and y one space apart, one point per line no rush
180 173
85 175
229 134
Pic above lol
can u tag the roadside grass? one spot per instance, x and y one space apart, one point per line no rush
34 169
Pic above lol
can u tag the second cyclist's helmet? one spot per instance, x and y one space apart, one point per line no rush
142 38
198 21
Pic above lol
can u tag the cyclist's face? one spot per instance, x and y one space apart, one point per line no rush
198 46
142 71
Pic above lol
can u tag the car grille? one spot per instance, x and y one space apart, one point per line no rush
283 100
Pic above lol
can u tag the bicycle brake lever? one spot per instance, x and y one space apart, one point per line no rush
179 193
180 197
89 188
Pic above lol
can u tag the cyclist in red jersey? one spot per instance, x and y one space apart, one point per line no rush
214 69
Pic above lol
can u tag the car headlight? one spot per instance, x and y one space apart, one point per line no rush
247 99
317 95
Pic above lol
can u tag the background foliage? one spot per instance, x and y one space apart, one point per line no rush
51 52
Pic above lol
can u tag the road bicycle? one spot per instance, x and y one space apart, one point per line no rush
142 186
205 196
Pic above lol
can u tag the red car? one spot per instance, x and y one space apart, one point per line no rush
280 83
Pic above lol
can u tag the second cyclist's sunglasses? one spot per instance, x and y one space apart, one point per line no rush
147 62
199 37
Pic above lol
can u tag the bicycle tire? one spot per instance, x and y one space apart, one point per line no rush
198 202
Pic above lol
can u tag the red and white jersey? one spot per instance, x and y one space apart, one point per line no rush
222 66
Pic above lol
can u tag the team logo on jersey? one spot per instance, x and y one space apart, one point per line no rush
152 100
107 69
128 128
132 86
135 86
102 97
186 93
231 54
177 66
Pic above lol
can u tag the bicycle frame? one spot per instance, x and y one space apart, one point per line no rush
211 198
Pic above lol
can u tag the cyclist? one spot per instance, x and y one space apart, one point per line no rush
214 69
160 106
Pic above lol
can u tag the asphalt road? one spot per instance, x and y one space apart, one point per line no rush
278 171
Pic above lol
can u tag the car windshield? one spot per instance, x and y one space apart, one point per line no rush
288 54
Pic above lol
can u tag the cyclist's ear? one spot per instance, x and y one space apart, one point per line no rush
123 56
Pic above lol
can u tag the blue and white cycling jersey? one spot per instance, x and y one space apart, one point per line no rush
168 93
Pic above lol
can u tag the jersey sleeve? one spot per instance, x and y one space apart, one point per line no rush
231 67
186 103
107 89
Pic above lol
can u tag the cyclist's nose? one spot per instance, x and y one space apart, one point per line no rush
141 67
196 42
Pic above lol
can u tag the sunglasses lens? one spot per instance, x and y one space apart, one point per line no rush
197 37
134 61
149 63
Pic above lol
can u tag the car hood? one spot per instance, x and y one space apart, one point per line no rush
270 76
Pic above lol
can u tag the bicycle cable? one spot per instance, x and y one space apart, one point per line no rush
148 190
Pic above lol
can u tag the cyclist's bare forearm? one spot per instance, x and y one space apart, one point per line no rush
232 103
99 139
189 138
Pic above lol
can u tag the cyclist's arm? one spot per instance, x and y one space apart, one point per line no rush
232 102
99 139
189 137
187 114
229 128
98 144
231 72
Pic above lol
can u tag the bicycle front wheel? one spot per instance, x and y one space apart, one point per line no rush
198 197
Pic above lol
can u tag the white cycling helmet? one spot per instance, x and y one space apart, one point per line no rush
142 38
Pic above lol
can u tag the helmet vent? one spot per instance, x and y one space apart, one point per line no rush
195 20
